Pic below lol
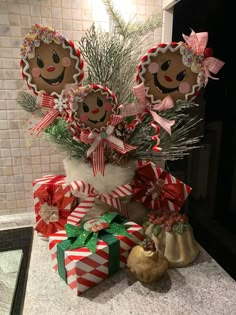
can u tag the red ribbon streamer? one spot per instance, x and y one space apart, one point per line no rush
49 102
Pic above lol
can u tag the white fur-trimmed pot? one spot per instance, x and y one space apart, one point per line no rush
114 176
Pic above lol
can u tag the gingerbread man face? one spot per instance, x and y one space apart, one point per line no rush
49 61
93 106
163 71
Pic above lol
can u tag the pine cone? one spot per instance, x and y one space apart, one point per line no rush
121 132
115 158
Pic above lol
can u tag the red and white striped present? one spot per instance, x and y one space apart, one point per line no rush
158 189
85 269
53 192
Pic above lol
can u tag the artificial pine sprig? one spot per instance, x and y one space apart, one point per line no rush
109 62
59 133
27 101
174 147
131 29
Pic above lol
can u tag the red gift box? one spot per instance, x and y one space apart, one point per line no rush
158 189
53 202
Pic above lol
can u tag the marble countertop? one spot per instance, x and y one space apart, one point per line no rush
202 288
10 262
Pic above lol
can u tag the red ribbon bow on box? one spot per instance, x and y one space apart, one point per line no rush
52 213
153 192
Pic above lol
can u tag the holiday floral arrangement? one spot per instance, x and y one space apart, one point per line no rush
115 138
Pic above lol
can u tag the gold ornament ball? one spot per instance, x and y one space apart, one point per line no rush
146 265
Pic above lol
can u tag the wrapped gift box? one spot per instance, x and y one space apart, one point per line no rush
158 189
53 202
81 268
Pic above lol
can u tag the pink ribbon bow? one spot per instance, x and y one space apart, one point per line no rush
89 194
198 42
143 104
57 106
99 141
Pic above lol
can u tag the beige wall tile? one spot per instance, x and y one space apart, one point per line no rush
14 19
66 3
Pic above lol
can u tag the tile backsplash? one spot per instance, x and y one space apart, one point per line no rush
20 164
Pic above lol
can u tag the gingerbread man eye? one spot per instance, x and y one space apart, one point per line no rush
55 56
180 76
165 65
40 62
99 102
85 108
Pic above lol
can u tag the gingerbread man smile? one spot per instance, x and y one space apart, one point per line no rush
55 81
161 88
99 120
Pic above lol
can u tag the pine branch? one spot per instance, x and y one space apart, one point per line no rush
60 134
142 28
173 147
27 101
111 60
121 27
127 30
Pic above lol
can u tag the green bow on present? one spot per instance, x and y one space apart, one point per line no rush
87 235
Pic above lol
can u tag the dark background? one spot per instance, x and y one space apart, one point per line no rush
212 210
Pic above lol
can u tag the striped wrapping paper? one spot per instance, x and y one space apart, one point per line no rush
56 183
85 269
144 167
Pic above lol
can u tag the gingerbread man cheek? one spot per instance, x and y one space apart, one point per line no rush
84 118
184 87
36 72
108 107
153 67
66 62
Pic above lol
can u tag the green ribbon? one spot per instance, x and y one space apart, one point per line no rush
79 237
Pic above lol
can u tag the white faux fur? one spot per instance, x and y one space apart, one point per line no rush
114 175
